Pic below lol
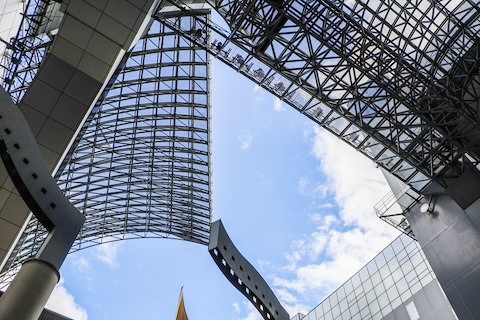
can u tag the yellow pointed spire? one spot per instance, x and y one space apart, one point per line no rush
181 312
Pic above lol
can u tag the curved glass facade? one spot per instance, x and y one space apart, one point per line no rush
140 166
395 80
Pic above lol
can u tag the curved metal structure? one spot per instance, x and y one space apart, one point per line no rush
398 80
242 275
141 166
393 79
25 52
22 158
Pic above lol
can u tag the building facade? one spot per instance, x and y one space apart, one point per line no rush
398 284
397 80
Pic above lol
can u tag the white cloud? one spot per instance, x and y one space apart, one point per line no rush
278 104
245 140
354 179
108 253
258 93
82 264
303 185
250 313
63 302
290 303
340 244
236 308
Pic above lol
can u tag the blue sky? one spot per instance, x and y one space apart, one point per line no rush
296 201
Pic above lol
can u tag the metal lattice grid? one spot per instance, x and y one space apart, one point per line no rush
397 80
24 53
142 167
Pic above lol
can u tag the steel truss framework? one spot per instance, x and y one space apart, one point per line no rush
396 79
141 166
25 52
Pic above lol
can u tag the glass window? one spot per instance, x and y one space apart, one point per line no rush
335 311
333 299
346 315
426 280
397 245
421 268
371 296
319 311
401 285
351 298
367 285
376 279
343 305
362 303
383 300
359 292
409 244
380 260
341 293
372 267
416 287
377 316
406 295
395 303
356 281
357 317
365 313
384 271
402 256
388 252
397 275
392 293
416 259
348 287
387 310
388 282
354 308
407 267
326 305
328 316
364 274
374 307
379 289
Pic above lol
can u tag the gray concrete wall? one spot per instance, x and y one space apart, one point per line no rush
450 239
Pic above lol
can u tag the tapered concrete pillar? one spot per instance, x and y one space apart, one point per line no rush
28 293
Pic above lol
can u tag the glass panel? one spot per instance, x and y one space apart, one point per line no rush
401 285
392 293
383 300
362 303
367 285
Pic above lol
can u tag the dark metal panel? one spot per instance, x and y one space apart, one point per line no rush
240 272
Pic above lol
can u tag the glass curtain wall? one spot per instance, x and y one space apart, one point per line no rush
140 166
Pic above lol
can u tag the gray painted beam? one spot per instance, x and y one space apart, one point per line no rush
243 275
